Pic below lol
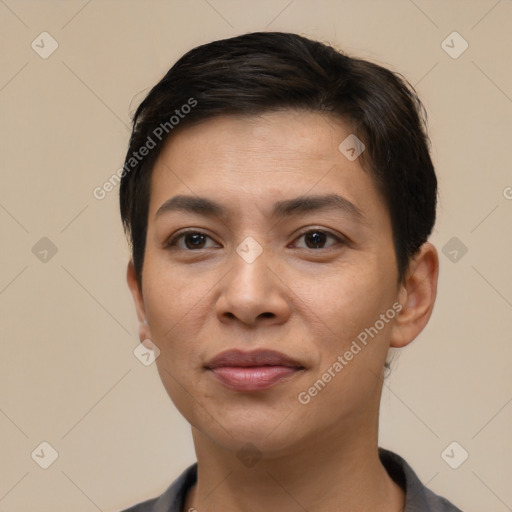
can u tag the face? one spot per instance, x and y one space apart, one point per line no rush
263 269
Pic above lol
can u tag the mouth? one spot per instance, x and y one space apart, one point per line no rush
253 371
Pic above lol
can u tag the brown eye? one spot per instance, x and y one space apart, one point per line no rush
192 240
316 238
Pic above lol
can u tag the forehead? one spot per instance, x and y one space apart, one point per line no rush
258 160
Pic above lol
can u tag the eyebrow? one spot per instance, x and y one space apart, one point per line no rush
287 208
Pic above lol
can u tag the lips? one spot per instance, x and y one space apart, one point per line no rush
252 371
254 358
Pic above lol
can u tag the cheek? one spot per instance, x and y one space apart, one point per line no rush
346 309
174 313
348 299
172 295
354 349
176 308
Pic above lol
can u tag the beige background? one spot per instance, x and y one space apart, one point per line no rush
68 375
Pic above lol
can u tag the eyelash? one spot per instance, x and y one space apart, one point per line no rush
172 241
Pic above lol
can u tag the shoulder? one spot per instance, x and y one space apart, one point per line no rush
418 498
173 498
145 506
438 503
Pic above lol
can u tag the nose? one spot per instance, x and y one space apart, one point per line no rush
253 292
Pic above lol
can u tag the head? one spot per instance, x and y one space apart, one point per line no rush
310 198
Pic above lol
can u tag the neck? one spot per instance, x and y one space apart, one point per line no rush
336 472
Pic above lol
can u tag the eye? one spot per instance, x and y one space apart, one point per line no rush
317 237
196 240
192 240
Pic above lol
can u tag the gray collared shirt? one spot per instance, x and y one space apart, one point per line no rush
417 497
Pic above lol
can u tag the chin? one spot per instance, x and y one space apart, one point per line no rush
267 432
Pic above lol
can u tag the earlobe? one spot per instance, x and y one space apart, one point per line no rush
417 296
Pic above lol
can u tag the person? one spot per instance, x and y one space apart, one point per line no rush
278 196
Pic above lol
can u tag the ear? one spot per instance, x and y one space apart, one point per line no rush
131 278
417 296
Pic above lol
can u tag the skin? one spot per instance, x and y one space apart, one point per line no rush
308 303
